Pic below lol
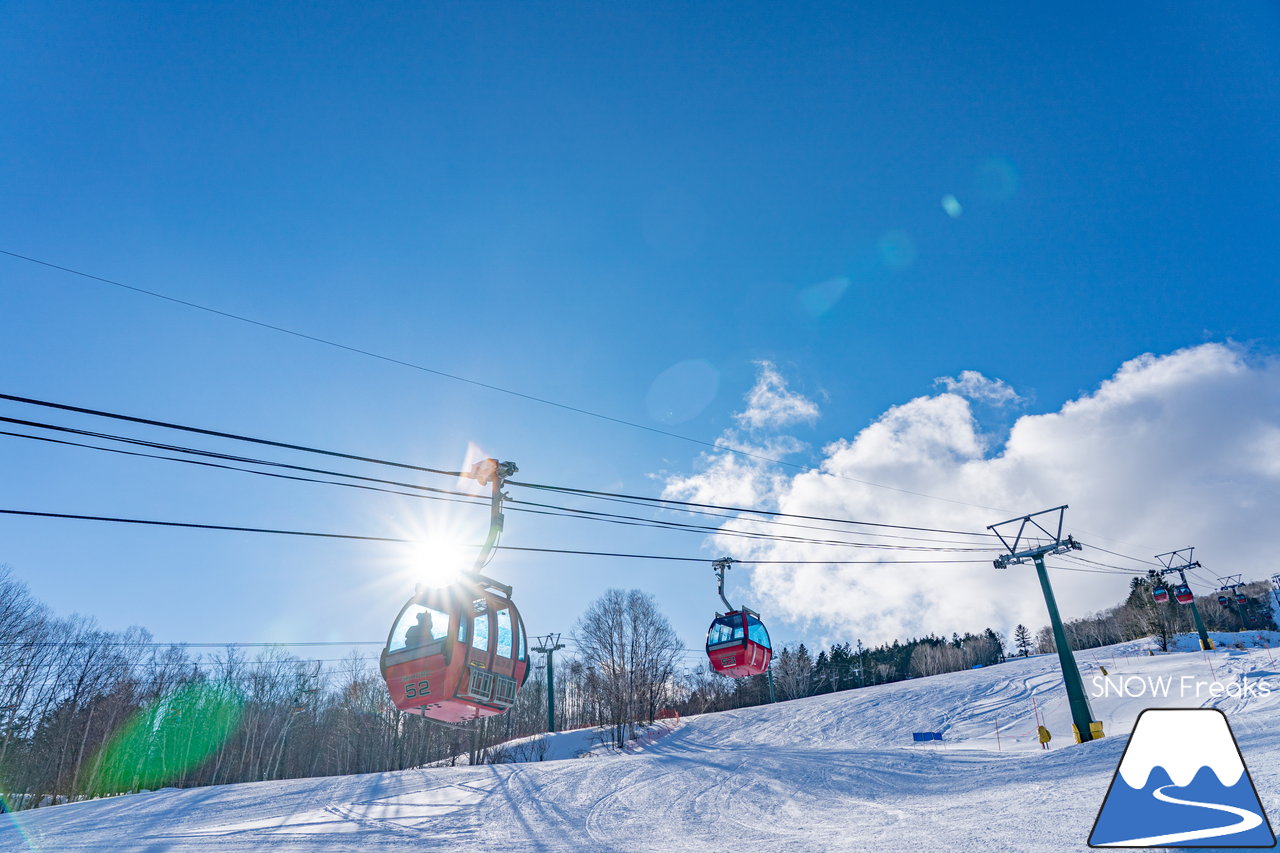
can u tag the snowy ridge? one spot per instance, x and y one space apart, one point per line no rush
1202 740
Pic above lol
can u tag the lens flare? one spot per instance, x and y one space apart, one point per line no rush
681 392
9 809
817 299
172 735
897 250
996 179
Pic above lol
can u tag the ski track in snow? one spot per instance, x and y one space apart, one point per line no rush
828 773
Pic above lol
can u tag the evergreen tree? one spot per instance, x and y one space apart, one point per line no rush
1022 640
841 662
821 674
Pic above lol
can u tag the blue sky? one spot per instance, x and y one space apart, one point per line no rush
568 200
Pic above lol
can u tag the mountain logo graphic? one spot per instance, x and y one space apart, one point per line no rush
1182 783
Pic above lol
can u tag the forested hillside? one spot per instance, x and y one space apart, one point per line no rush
86 712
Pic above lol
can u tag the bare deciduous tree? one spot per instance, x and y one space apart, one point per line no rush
633 651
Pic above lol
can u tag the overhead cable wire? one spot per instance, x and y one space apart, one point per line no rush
1209 581
219 434
1083 569
567 490
255 461
438 494
1104 567
1143 560
715 445
360 458
707 530
1097 570
771 513
690 510
737 518
398 540
1125 569
151 644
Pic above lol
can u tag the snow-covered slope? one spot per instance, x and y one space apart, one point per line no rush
836 772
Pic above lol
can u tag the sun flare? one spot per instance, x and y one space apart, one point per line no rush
440 560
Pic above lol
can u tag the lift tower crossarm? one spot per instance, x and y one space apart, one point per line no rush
1179 559
1035 538
1018 544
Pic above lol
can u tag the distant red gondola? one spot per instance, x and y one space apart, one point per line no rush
737 642
1241 598
1183 594
1160 594
1223 600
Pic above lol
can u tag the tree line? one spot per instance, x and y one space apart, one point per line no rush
1140 615
86 712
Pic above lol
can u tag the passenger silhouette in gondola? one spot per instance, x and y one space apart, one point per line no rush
419 633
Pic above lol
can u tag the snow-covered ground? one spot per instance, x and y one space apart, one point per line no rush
836 772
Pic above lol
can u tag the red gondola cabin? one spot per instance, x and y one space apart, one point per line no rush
457 653
1223 600
1160 594
1241 598
738 644
1183 594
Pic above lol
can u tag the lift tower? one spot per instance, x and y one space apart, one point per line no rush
1232 584
548 645
1031 540
1180 562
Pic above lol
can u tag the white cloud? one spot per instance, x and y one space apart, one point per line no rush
771 404
975 386
1173 450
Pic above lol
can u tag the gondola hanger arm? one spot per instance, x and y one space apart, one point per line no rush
720 566
491 472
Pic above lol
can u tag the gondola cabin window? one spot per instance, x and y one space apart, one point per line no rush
725 631
757 634
480 627
504 633
418 626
